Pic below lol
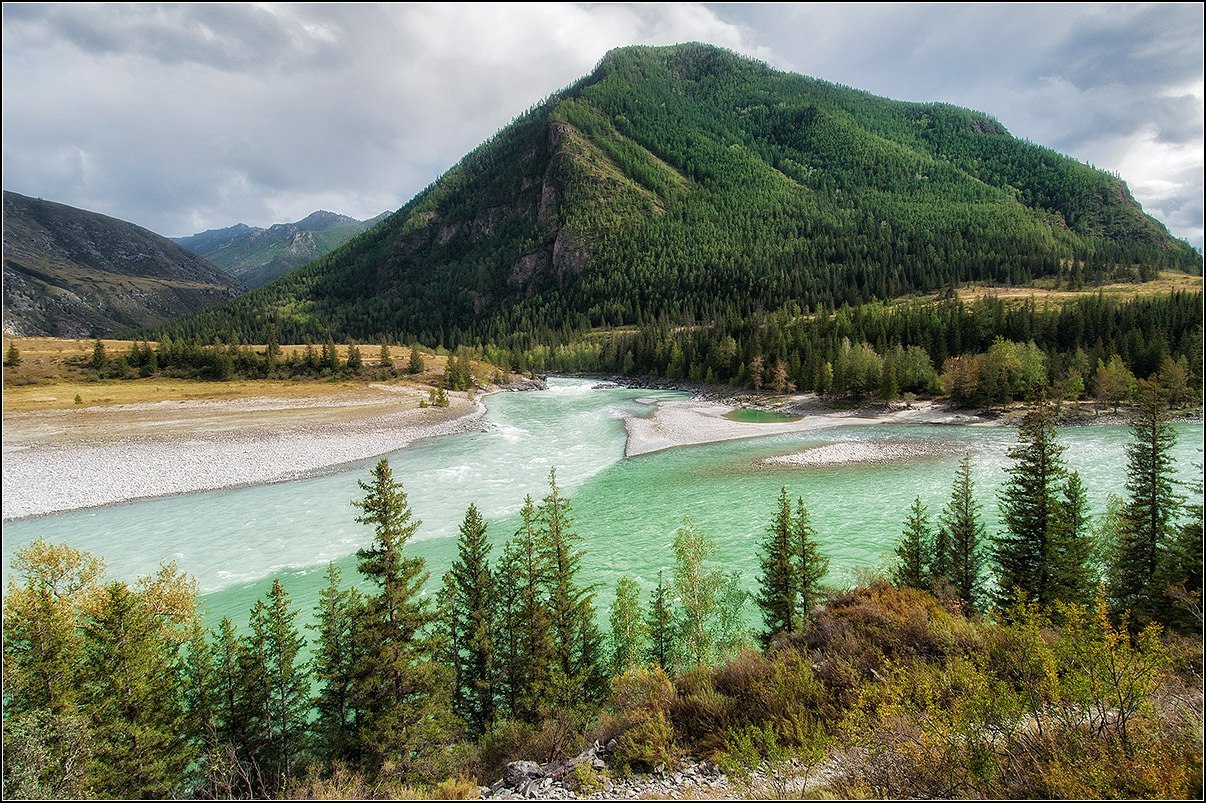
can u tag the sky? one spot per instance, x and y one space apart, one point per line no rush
187 117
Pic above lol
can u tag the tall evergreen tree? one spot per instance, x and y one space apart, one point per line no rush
334 665
285 696
964 536
1030 511
660 626
470 623
415 364
527 655
628 628
576 643
404 696
914 551
1150 513
1072 547
779 586
811 565
134 697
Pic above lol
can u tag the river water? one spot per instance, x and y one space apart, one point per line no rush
627 510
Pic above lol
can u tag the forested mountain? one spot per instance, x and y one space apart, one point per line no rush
687 183
73 273
256 256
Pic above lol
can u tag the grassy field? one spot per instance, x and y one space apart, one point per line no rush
1046 291
45 380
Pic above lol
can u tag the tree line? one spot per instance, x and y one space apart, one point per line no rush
119 689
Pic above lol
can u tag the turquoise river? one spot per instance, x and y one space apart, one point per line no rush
627 510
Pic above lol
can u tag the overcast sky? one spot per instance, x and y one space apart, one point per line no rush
186 117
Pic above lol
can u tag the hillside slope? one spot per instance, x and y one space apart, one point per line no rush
256 256
73 273
684 183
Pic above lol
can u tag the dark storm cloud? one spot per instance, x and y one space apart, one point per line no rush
190 116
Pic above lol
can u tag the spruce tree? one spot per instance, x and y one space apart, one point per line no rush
470 622
1030 508
133 695
415 364
334 664
779 587
628 629
525 573
811 565
384 358
963 534
404 696
286 686
12 357
1072 546
355 361
914 551
1150 512
660 626
576 642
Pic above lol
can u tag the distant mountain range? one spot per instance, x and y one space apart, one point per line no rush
256 256
683 184
73 273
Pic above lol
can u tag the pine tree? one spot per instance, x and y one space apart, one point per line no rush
334 664
200 688
470 622
660 626
286 686
811 565
1150 513
355 361
964 536
404 696
576 640
914 551
415 364
1072 546
1030 508
384 358
12 357
779 584
133 694
524 575
1181 577
628 629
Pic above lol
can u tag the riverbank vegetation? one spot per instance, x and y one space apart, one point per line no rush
1059 657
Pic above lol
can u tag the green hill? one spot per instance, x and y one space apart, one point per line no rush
685 183
73 273
256 256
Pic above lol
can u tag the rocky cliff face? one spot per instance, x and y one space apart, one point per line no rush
73 273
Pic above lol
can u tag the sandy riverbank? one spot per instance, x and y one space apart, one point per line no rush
691 422
58 460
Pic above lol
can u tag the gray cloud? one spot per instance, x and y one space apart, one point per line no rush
190 116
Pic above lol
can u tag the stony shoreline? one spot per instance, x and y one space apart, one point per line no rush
70 460
690 422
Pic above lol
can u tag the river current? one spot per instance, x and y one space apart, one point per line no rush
627 510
